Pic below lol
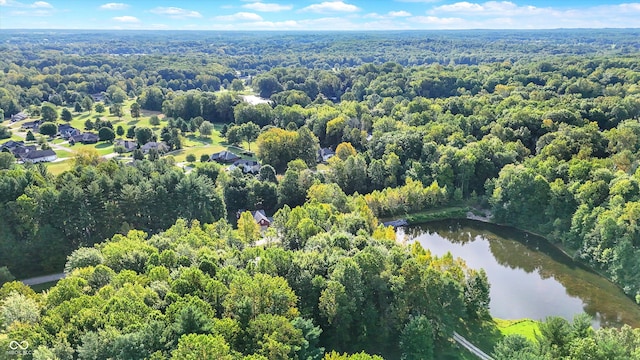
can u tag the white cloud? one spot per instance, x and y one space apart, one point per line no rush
41 5
279 25
114 6
373 16
126 19
35 9
35 5
176 12
438 22
267 7
331 6
240 16
400 13
501 8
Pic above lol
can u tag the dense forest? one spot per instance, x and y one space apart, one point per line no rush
541 128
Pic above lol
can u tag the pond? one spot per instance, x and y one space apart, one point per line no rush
529 277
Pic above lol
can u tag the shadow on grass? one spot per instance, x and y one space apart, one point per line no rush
198 139
484 334
103 145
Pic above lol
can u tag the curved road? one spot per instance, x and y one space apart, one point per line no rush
43 279
469 346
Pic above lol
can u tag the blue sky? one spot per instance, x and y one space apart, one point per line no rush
317 14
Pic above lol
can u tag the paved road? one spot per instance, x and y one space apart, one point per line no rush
43 279
469 346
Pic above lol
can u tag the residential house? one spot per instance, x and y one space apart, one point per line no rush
226 157
66 131
38 156
17 148
247 166
261 219
31 125
161 147
259 216
324 154
84 138
22 151
97 97
11 145
128 145
19 117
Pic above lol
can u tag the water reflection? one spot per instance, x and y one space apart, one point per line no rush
529 277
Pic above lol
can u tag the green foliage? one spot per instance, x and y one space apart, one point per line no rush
135 110
515 347
49 113
276 147
106 134
30 136
48 129
66 115
5 275
7 160
206 128
416 340
201 347
248 229
83 257
143 135
5 132
17 308
87 104
191 158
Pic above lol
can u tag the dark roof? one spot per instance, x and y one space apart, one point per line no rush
20 151
36 154
243 162
31 124
129 145
260 216
65 127
11 144
19 116
225 156
86 138
326 151
160 146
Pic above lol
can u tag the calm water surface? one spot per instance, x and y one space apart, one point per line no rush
529 277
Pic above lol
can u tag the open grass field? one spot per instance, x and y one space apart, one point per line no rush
57 168
181 155
525 327
63 154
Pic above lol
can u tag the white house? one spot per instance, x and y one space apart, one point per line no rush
38 156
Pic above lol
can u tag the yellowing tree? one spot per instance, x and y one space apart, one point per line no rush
248 229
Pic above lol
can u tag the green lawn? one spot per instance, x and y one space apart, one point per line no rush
486 335
59 167
63 154
103 148
525 327
181 155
